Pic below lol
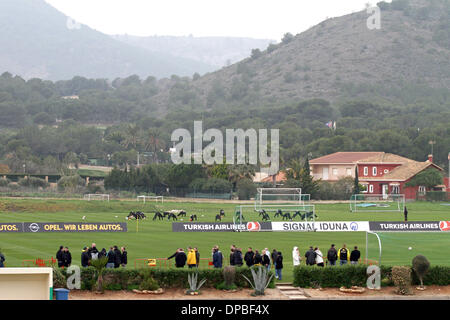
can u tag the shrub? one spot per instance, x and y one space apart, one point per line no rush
401 276
421 265
245 189
4 182
70 183
33 182
59 280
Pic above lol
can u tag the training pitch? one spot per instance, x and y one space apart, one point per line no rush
155 239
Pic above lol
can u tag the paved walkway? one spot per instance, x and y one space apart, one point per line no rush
293 293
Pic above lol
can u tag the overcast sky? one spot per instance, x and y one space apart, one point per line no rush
265 19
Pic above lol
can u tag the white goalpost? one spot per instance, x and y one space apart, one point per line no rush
155 198
366 202
95 196
267 196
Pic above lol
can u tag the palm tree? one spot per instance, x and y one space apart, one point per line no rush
99 265
153 142
241 171
132 136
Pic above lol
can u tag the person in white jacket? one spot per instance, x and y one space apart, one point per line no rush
319 257
296 256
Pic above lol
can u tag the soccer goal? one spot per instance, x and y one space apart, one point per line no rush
151 198
275 212
377 202
95 196
280 196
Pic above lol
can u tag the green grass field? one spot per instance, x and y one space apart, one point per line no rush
156 240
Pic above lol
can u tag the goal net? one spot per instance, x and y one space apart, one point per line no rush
377 202
150 198
101 197
279 196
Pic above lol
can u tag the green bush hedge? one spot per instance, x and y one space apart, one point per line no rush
347 276
127 279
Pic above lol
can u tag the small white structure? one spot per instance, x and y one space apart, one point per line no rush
95 196
156 198
26 283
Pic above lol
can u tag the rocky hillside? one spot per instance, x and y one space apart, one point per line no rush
341 58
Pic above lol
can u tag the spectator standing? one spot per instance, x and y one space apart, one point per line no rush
124 257
59 256
111 258
67 257
310 256
249 257
268 256
274 257
102 253
238 261
232 255
180 258
296 256
93 252
197 256
265 260
355 255
332 255
343 255
279 266
217 257
2 259
117 257
191 260
257 259
405 213
319 257
85 257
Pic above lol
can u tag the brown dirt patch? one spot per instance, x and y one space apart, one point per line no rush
385 291
176 294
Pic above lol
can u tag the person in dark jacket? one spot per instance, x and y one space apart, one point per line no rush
265 260
67 257
217 257
2 259
237 257
249 257
111 258
405 213
343 255
232 249
85 257
257 259
59 256
93 252
354 256
332 255
123 257
310 256
102 253
279 265
117 257
197 256
180 258
274 258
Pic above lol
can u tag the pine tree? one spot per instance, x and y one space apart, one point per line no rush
356 186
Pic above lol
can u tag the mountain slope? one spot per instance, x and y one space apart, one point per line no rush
340 59
37 41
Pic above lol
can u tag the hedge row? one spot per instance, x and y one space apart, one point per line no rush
128 279
347 276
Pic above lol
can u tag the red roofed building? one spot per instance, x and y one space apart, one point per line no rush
379 172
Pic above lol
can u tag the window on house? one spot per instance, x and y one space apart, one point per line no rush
366 171
395 189
335 171
371 188
349 171
374 171
422 189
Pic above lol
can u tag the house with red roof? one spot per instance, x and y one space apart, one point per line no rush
379 172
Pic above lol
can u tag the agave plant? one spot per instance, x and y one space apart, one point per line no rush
193 285
261 280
